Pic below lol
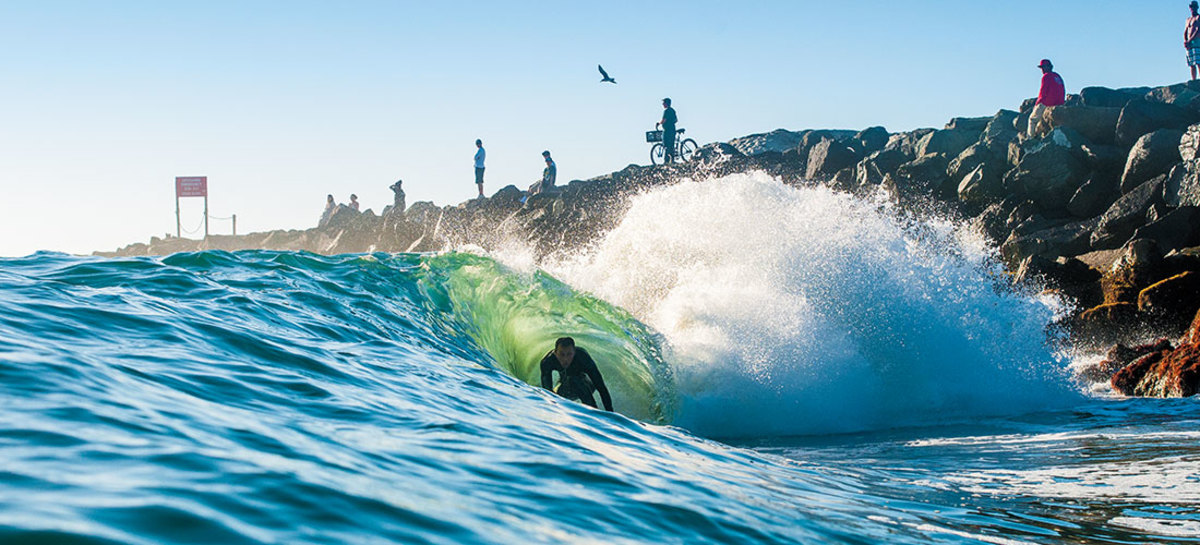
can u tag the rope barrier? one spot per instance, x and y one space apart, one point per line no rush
197 229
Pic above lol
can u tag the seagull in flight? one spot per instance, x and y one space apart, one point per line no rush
605 74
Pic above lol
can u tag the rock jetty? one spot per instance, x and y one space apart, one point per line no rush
1103 208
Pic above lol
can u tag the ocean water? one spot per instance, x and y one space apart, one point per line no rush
788 366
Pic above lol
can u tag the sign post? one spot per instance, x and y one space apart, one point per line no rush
191 186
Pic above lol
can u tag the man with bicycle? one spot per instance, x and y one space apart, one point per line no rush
669 119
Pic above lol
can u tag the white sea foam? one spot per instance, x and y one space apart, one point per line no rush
804 310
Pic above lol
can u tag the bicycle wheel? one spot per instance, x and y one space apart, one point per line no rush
657 154
687 150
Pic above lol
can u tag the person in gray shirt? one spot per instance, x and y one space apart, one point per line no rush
480 155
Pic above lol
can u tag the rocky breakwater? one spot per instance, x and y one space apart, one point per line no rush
1103 208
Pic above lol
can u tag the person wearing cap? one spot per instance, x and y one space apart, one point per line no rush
480 154
1191 38
669 119
1053 93
549 176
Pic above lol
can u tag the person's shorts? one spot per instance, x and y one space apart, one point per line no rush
478 175
1193 56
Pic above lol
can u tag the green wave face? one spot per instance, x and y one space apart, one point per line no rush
517 317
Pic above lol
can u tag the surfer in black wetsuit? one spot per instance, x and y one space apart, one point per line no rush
577 372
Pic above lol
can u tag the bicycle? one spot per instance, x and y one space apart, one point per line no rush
685 148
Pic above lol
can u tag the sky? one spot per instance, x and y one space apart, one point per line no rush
104 103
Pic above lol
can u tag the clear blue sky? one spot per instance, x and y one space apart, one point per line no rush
103 103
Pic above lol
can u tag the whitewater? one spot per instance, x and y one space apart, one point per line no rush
788 365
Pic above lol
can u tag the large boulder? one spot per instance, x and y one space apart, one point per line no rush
1172 300
1094 196
1183 185
1180 94
1103 97
1068 240
999 132
810 139
947 142
870 140
874 168
1189 143
1179 228
1121 219
1141 117
906 142
779 140
827 158
1096 124
927 172
1164 373
1153 155
983 185
1051 171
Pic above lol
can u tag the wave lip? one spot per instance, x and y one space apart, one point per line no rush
805 310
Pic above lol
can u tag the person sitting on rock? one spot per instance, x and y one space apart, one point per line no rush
354 202
578 376
549 176
1191 38
397 198
330 205
1053 93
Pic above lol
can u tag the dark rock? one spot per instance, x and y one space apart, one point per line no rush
1096 124
871 171
981 186
1103 97
1173 300
1179 228
999 133
971 124
779 140
1120 356
1051 171
1153 155
975 155
947 142
812 138
1189 143
1176 95
927 172
1140 265
1141 117
906 142
871 140
1127 214
1107 323
828 157
1094 197
1067 240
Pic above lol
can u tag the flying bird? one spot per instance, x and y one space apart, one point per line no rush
605 74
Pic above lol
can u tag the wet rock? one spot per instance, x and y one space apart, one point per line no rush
874 168
1067 240
1153 155
1140 265
927 171
1172 301
1164 373
1051 171
1121 219
1120 356
981 186
827 158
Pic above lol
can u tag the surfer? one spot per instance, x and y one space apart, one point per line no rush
578 375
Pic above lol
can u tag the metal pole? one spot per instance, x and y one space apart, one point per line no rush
177 226
235 225
205 214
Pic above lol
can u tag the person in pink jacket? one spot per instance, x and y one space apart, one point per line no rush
1053 93
1191 38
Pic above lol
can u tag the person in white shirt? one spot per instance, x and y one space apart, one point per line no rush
479 157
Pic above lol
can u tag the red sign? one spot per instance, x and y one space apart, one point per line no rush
191 186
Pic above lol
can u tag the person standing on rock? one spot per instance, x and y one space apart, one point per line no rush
397 198
1053 93
354 202
668 122
1191 38
480 155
